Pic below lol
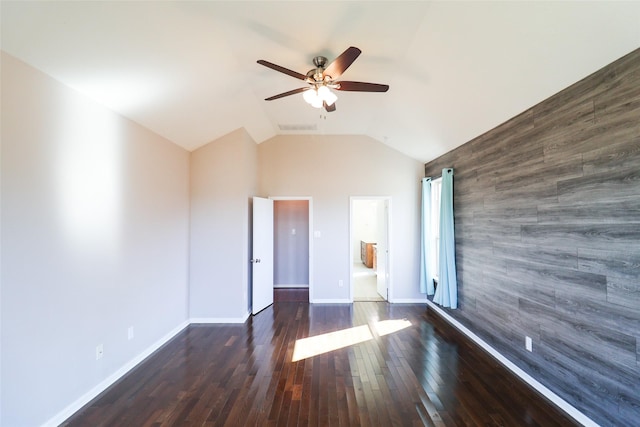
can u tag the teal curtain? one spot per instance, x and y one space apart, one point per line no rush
447 291
426 269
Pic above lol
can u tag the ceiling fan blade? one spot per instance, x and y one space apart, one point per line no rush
362 87
328 107
282 95
282 69
342 62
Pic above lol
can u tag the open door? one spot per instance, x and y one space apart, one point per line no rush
262 258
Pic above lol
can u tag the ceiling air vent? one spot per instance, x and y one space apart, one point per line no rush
298 128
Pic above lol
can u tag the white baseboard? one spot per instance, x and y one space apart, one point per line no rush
560 402
220 319
74 407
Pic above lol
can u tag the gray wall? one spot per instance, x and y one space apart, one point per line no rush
291 242
547 220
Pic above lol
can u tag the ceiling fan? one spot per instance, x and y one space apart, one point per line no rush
323 78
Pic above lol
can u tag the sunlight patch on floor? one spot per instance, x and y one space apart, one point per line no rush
386 327
320 344
313 346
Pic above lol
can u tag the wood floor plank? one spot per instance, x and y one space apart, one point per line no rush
243 375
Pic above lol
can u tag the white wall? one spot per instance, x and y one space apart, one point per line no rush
106 225
223 180
366 223
331 169
95 213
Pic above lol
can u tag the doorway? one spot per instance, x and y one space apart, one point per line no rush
292 273
369 254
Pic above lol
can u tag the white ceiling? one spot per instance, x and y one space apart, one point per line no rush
188 71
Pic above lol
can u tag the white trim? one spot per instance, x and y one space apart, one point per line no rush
332 301
74 407
409 301
220 319
311 238
560 402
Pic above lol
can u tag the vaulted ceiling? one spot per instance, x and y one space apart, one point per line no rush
188 71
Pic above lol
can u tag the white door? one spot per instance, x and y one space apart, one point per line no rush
382 260
262 258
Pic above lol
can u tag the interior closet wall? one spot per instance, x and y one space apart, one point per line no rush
291 243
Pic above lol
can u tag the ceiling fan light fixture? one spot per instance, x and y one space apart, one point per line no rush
330 98
317 97
310 95
317 103
323 91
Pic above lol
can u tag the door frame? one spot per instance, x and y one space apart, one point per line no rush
310 201
387 199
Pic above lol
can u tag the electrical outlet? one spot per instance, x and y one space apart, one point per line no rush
528 344
340 283
130 333
99 351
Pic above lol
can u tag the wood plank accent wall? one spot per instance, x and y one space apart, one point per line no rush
547 222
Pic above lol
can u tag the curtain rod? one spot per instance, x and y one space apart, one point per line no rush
449 170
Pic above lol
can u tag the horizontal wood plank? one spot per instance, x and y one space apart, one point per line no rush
555 194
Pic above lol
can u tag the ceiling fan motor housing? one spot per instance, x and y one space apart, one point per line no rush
320 61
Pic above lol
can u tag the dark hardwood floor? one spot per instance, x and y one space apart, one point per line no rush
243 375
291 295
